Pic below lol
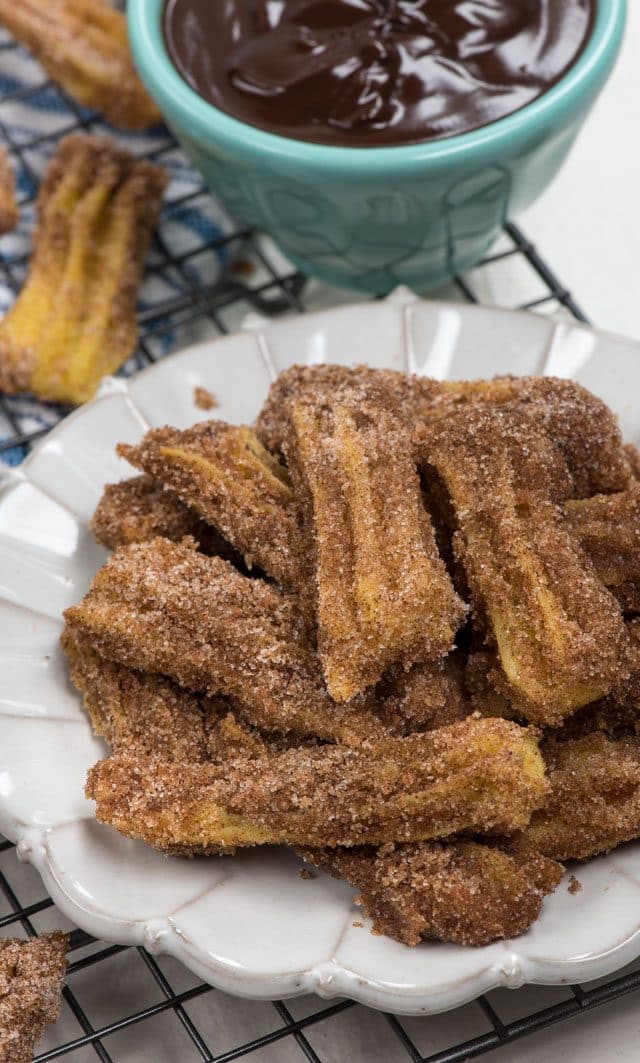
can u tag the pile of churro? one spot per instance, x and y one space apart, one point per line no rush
395 625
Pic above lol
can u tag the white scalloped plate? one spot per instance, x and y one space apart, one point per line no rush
249 924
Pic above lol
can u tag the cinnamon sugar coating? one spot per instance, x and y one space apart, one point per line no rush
580 425
383 595
32 977
138 509
490 694
224 473
608 529
133 710
210 685
627 596
632 454
594 803
559 634
426 697
406 396
486 687
478 775
164 607
456 891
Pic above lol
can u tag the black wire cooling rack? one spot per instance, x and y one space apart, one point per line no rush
121 1004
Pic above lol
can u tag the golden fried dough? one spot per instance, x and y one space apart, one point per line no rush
75 318
32 977
225 474
84 47
163 607
457 891
478 775
383 595
594 804
559 634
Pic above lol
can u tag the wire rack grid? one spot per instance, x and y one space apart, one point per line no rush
204 275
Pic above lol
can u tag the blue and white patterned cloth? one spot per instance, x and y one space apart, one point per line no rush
34 114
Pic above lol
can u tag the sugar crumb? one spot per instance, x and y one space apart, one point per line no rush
204 399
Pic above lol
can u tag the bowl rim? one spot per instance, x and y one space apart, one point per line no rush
200 119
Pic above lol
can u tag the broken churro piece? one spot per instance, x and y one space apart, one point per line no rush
74 320
478 775
136 710
383 594
8 204
457 891
594 804
559 634
32 977
83 45
227 476
164 607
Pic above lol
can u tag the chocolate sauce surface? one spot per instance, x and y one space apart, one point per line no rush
368 73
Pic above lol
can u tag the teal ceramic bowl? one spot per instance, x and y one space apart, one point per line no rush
373 218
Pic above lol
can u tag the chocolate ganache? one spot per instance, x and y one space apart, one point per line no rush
374 72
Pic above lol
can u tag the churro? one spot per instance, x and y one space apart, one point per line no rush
457 891
32 977
8 204
477 775
75 319
225 474
84 47
580 425
559 634
383 595
163 607
594 803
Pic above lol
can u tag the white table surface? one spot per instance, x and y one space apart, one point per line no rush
588 227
